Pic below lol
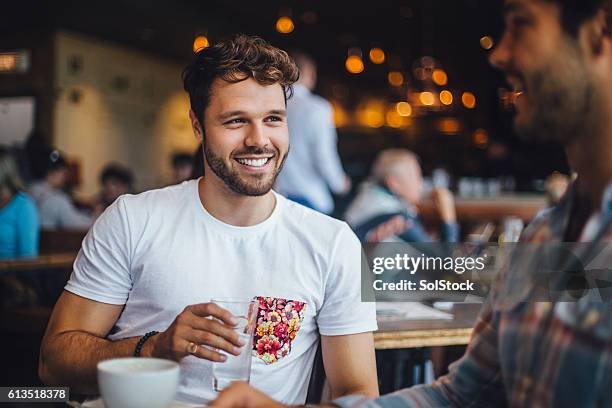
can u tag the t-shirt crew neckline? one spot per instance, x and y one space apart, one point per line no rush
233 229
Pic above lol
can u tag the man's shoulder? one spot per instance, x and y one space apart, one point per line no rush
311 222
159 199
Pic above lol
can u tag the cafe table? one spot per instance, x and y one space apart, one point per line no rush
417 333
403 345
46 262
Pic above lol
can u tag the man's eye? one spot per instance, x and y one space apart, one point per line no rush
235 121
519 22
274 119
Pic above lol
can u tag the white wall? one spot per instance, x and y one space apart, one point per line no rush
139 124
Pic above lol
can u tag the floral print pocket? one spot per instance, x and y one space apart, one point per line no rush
278 321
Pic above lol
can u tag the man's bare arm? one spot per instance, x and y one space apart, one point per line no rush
74 342
350 364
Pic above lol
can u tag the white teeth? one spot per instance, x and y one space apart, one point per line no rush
253 162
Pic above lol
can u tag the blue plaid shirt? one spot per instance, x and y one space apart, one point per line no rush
526 353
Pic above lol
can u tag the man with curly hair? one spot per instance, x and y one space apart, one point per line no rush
143 280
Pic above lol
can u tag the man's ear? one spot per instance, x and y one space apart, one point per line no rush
598 30
392 183
198 132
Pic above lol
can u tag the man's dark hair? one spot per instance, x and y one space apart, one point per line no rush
182 159
575 12
54 161
117 172
234 60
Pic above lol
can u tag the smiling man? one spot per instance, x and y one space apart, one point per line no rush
525 352
143 280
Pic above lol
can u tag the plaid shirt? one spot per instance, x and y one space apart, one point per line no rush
533 354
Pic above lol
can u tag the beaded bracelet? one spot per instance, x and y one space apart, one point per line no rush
142 341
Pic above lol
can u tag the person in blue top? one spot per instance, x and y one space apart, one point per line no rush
19 224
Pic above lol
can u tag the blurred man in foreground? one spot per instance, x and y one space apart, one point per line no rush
313 167
392 196
558 57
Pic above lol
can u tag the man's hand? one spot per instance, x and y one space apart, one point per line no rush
194 325
241 395
387 229
445 204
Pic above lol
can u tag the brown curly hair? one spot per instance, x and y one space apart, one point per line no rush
234 60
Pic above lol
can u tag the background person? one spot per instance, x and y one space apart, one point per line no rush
19 225
115 180
55 206
386 205
182 167
313 167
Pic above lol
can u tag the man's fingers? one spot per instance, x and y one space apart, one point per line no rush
210 309
212 340
214 327
205 353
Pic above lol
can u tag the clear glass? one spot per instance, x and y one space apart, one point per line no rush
237 368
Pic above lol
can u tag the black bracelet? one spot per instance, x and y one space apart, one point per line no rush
142 341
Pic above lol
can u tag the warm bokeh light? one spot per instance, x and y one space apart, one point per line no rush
439 77
341 117
469 100
284 25
394 120
395 78
199 43
354 64
449 126
487 42
427 98
403 109
481 138
377 56
372 113
446 97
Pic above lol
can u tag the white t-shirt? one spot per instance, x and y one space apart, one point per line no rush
160 251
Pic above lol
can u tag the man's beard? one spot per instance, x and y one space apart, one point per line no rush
238 183
560 98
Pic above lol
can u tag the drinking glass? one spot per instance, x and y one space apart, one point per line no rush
237 368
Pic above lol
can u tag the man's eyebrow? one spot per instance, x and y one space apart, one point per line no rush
280 112
229 114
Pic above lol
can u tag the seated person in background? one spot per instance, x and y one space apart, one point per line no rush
555 186
182 167
313 170
388 202
56 209
153 261
19 226
116 180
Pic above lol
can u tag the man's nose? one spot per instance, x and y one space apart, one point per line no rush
257 136
500 56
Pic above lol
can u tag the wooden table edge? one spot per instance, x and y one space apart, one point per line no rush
421 338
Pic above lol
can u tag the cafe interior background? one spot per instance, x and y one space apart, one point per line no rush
100 82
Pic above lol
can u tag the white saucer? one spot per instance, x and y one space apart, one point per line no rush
99 403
